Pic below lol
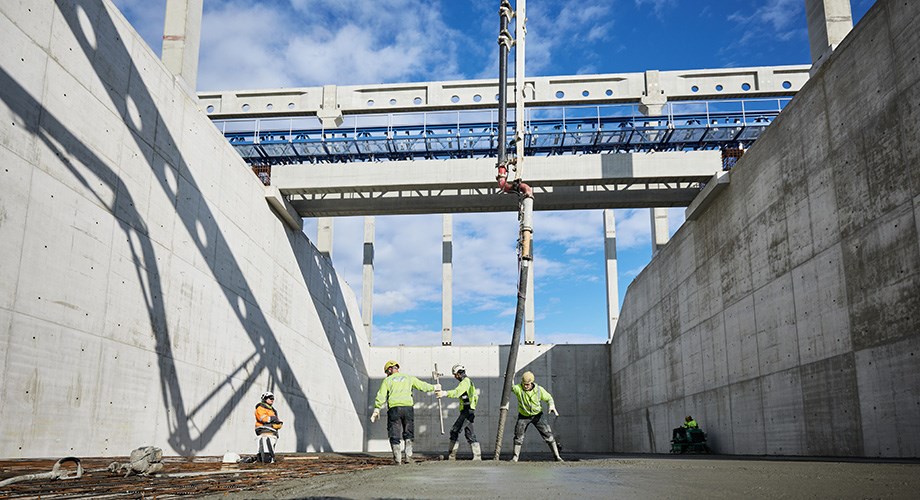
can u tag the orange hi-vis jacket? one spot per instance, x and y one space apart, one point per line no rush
264 412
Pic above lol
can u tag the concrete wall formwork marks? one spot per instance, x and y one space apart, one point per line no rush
786 318
576 375
148 294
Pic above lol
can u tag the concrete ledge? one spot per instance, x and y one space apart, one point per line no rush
699 204
282 208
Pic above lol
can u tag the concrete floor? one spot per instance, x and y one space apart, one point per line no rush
607 476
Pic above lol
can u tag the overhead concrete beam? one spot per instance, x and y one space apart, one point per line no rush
635 180
718 182
478 201
569 170
283 208
464 95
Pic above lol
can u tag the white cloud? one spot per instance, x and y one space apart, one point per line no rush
634 228
776 18
147 18
554 27
658 6
248 45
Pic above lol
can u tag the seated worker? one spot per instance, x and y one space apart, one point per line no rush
680 433
267 426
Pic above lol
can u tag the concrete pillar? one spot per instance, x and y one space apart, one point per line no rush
660 234
181 39
324 236
447 280
653 99
529 309
829 21
610 254
367 279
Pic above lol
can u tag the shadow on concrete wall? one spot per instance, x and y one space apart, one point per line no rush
338 327
268 356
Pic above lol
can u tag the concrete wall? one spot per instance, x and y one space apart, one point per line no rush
786 319
148 294
576 375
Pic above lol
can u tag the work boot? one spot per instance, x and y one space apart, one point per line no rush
477 451
397 454
517 453
452 454
409 459
555 450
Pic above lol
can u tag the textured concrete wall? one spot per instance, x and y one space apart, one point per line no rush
576 375
787 317
148 294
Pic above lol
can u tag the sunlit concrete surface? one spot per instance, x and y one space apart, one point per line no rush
607 476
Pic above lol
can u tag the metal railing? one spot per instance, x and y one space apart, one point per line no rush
684 125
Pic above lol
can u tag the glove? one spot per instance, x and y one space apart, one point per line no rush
375 415
437 387
552 410
273 420
440 394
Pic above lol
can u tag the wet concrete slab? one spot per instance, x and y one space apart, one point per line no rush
610 476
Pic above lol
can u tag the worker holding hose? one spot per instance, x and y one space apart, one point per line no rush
530 398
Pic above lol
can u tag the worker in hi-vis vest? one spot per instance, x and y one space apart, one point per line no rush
267 427
530 398
396 392
468 395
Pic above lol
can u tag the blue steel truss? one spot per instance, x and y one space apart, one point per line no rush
473 134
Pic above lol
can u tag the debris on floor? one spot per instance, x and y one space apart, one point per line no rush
180 477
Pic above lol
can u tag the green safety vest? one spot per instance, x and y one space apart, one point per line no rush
396 390
691 424
466 392
530 402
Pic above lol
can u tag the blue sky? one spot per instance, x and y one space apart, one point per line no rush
299 43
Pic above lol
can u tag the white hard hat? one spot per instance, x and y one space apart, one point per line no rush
266 395
458 368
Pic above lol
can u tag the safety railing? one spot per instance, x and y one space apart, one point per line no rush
684 125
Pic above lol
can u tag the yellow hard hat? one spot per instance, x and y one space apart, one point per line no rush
527 378
389 364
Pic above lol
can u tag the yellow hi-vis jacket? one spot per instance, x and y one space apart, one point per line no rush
396 390
466 392
691 425
530 402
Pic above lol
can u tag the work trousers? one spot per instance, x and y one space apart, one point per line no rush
267 442
538 421
679 434
400 423
466 417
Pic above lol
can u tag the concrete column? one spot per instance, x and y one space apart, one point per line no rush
181 39
529 309
653 100
367 279
324 236
829 21
447 280
660 234
610 254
